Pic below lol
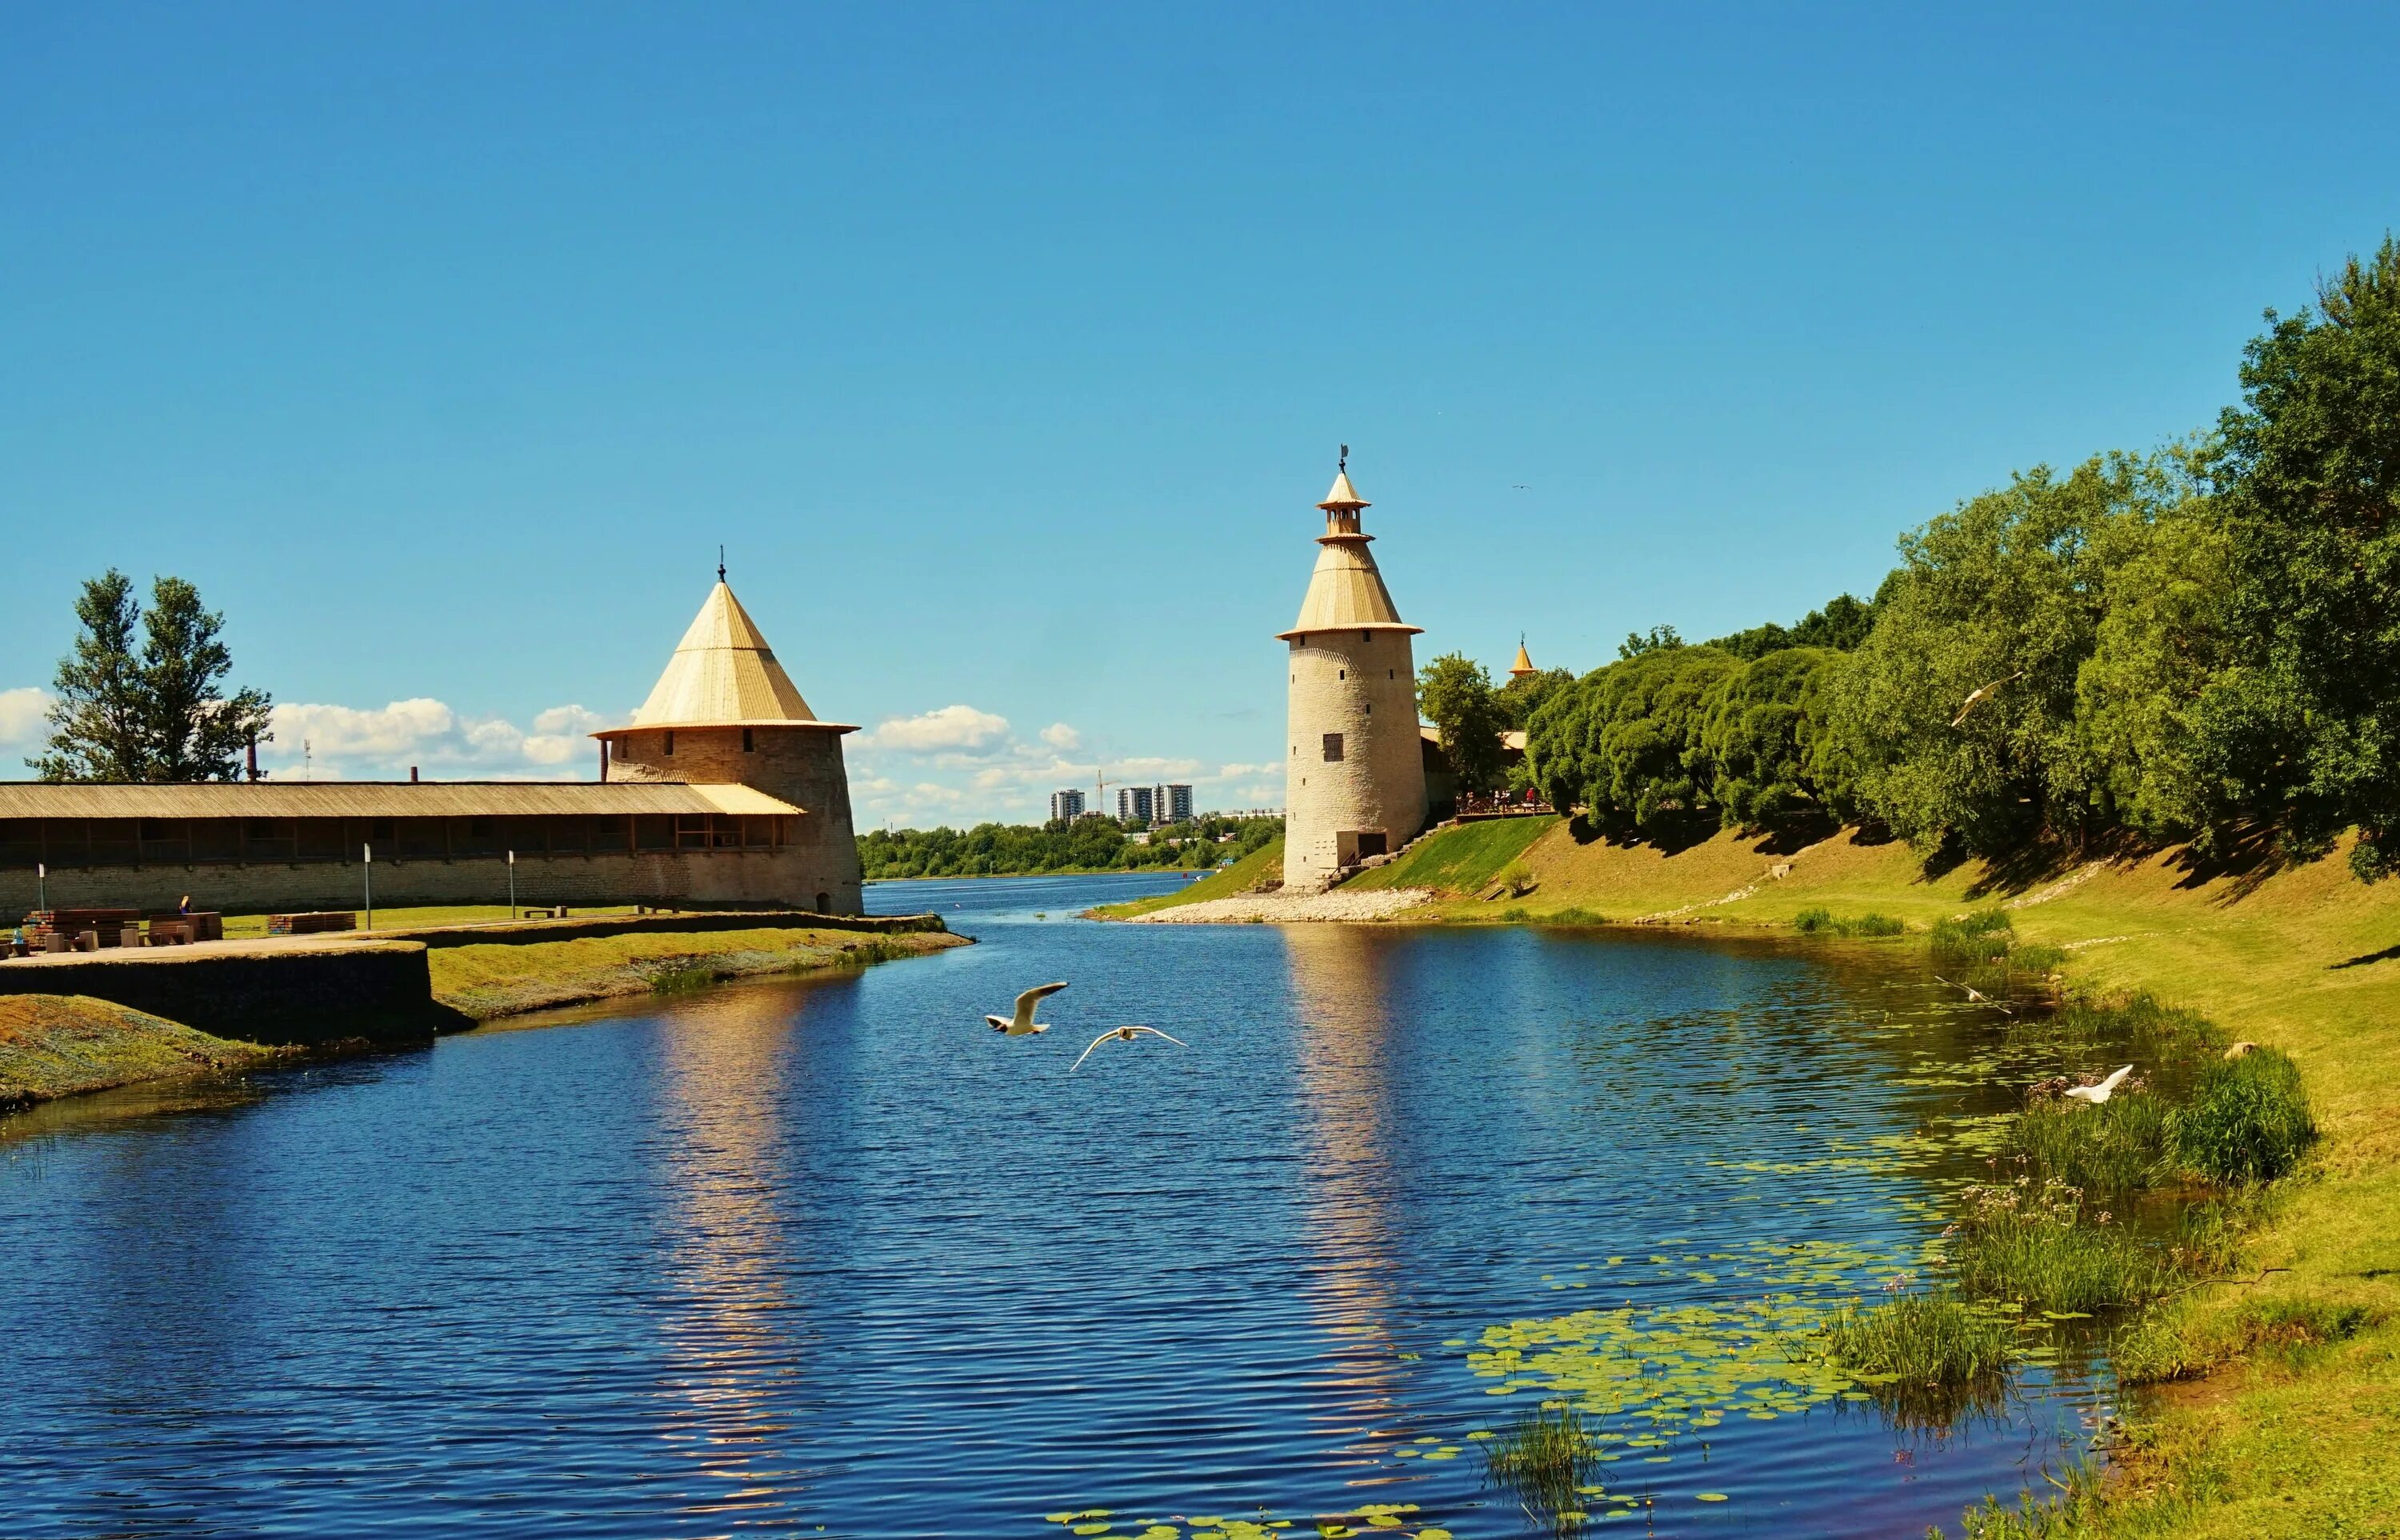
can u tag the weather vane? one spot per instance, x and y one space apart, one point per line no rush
1343 466
720 563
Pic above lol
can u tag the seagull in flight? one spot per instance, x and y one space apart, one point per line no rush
1975 698
1123 1034
2095 1095
1023 1023
1975 995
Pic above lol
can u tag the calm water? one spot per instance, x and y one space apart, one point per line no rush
833 1255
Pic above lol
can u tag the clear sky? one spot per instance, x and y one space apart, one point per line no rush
1006 348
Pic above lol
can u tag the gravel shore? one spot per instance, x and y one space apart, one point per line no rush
1280 908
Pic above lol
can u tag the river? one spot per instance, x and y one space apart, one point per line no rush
832 1255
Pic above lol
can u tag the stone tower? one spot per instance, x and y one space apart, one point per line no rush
725 713
1354 784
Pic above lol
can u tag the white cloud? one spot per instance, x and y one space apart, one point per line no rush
382 743
343 732
955 728
23 716
569 720
1058 735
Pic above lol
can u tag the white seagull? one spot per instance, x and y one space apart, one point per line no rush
1023 1023
2095 1095
1123 1034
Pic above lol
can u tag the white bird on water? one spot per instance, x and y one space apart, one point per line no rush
1123 1034
1023 1023
2095 1095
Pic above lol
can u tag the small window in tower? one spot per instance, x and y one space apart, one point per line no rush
669 742
1332 747
1371 708
746 747
1340 674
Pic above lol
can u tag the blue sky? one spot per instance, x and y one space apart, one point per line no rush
1006 348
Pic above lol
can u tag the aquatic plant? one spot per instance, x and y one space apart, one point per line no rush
1576 915
2123 1146
1543 1459
2033 1243
1927 1358
676 973
2247 1120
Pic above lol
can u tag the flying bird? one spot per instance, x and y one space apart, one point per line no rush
1123 1034
2095 1095
1023 1023
1977 996
1978 696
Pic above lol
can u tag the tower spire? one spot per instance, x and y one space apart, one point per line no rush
720 563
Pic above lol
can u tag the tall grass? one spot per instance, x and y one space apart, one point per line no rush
676 974
1927 1360
1541 1459
1966 941
2247 1120
1823 921
2123 1146
2033 1243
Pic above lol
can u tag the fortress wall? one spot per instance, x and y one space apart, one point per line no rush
1362 685
336 993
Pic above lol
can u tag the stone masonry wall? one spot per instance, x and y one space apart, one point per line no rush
1362 685
382 991
803 766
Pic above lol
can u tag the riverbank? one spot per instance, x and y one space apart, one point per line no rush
501 978
63 1045
2290 1399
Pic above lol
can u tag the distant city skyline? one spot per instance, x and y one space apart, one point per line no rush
443 349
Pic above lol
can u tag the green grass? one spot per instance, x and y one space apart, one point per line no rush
58 1046
2034 1243
1542 1458
1824 921
1252 871
1926 1359
1967 941
2125 1145
1466 860
677 974
2247 1120
496 980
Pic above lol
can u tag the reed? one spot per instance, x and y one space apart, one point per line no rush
2033 1243
1927 1360
2123 1146
1541 1459
676 974
2247 1120
1820 921
1969 940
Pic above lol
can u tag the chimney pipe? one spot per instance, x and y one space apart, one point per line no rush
604 760
252 756
411 775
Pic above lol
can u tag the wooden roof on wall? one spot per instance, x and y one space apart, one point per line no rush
384 800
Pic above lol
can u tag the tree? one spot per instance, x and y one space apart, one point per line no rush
1455 694
1625 741
2305 724
1763 737
1960 710
1660 639
1843 625
97 723
160 715
1520 697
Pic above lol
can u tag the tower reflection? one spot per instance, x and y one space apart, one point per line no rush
733 1346
1341 976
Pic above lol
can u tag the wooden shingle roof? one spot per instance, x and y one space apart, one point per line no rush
383 800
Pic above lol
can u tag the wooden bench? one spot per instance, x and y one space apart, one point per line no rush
315 923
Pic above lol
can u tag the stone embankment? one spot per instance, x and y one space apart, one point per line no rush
1280 908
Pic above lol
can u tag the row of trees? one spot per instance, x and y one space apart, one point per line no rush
1090 843
2193 644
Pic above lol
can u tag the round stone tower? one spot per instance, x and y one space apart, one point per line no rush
1355 783
726 714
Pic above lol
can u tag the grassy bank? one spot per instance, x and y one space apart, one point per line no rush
2283 1398
486 982
1472 859
1247 875
60 1045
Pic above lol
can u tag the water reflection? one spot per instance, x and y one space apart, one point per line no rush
732 1353
1341 985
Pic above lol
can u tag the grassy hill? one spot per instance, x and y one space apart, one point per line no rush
1463 861
1247 875
58 1046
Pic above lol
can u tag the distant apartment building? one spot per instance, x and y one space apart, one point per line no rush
1067 805
1173 804
1137 802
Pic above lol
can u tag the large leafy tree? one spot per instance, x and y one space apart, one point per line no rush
2305 725
1523 696
1455 695
1764 739
1960 712
1625 742
158 713
1842 625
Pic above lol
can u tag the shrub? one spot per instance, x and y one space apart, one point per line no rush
1821 922
2247 1120
1815 921
1542 1458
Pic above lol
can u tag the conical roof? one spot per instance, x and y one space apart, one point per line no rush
723 674
1524 664
1343 494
